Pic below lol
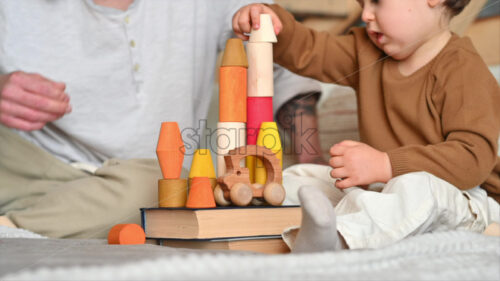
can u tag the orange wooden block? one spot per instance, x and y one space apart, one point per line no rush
126 234
170 150
232 94
201 194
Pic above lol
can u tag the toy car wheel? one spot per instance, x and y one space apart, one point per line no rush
274 193
219 196
241 194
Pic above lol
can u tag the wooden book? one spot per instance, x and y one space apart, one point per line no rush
262 244
221 222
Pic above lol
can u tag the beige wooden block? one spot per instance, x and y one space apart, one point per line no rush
230 135
266 31
260 70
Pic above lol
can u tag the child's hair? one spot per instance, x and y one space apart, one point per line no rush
456 6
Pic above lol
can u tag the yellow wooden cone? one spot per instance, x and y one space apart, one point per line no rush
268 137
250 163
202 165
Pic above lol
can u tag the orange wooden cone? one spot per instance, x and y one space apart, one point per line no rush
232 94
126 234
200 194
170 150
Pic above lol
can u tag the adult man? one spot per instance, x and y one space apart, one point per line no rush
127 65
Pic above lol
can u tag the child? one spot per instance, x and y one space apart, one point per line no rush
428 120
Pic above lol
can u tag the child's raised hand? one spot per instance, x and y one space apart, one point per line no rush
356 164
248 17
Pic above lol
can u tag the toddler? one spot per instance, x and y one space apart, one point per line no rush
428 120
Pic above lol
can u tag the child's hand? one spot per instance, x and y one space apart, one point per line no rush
248 17
357 164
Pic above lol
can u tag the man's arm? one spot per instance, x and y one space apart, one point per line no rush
298 118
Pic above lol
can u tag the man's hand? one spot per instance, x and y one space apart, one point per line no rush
248 17
29 101
357 164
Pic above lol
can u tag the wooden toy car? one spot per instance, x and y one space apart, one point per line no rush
235 185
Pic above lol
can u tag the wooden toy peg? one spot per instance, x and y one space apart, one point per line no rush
170 150
266 31
126 234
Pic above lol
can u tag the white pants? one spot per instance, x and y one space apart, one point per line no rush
407 205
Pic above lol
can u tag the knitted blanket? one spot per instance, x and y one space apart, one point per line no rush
433 256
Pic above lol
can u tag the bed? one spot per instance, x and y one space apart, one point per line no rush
450 255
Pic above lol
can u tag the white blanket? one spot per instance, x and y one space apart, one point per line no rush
433 256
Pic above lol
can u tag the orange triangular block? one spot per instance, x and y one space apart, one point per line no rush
200 194
268 137
234 53
202 165
126 234
170 150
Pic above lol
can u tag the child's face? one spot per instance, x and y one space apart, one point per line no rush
399 27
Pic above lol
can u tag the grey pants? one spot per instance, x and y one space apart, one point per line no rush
40 193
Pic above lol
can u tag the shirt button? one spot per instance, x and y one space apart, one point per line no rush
127 19
132 43
136 67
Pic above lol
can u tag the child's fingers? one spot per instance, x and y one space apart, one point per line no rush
339 173
243 21
336 162
349 143
255 12
236 26
344 183
338 150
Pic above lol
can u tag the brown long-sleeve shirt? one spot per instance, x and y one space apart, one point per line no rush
443 119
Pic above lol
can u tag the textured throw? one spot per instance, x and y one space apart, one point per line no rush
433 256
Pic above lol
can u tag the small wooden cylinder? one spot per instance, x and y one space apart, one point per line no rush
126 234
232 94
172 193
230 135
260 70
259 109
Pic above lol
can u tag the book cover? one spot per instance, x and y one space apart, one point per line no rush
221 222
272 244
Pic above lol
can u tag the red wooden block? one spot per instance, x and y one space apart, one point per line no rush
259 109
